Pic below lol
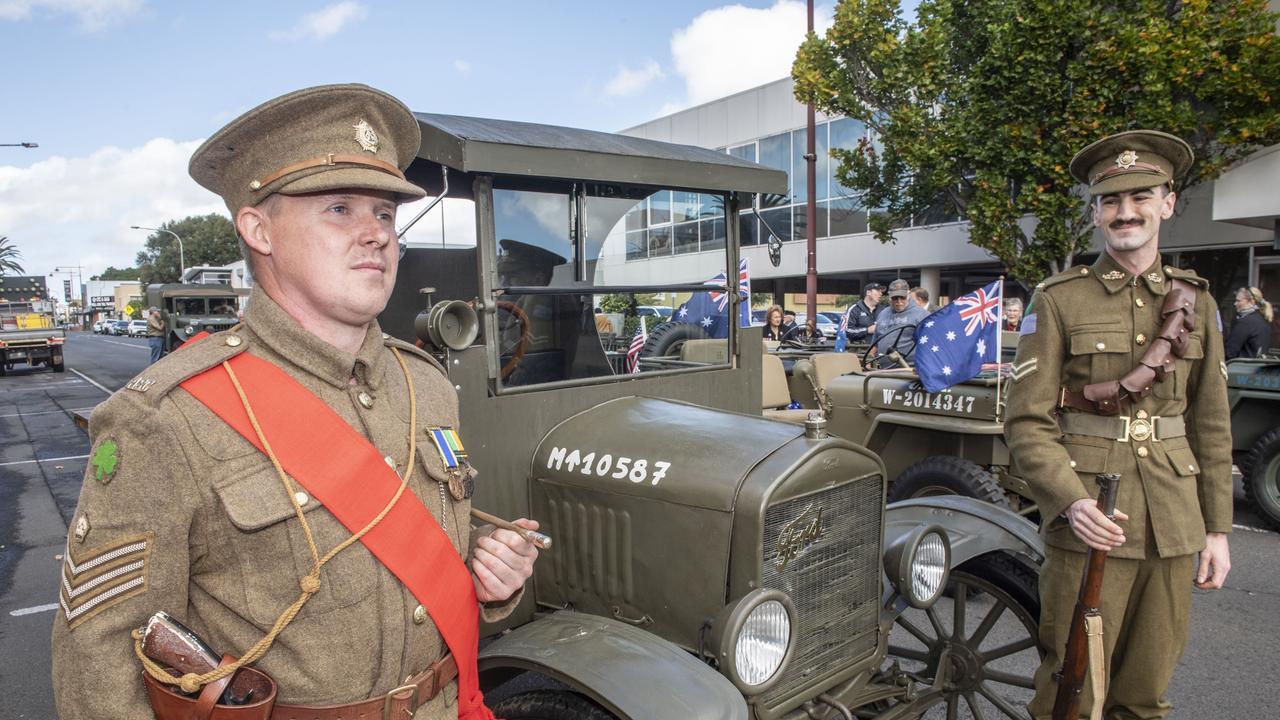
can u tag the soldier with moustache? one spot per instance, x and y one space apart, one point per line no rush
1120 370
294 488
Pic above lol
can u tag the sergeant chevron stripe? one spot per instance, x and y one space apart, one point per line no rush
95 579
1023 369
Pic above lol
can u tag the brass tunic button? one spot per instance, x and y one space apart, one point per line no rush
1084 271
1143 452
1142 414
234 340
1073 463
1101 346
1192 468
301 497
419 615
1141 339
1139 302
365 399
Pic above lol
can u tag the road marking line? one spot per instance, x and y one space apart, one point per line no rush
128 345
1250 529
33 610
43 460
45 412
91 380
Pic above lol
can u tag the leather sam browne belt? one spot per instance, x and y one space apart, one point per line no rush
1123 428
1154 366
398 704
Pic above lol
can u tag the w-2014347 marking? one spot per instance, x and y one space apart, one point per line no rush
946 402
606 465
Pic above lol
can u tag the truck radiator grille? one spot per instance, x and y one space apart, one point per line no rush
834 579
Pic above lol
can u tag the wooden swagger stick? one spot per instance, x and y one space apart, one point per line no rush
541 541
1084 641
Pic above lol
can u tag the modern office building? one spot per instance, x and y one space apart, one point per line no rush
1226 231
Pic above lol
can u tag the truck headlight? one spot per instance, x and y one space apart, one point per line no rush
918 564
752 638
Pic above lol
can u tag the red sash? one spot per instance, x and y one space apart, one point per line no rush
325 455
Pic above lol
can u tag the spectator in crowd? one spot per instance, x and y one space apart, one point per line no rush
155 333
1250 334
1012 314
789 321
862 314
774 328
920 296
894 324
810 332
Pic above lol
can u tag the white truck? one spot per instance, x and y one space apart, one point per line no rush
29 334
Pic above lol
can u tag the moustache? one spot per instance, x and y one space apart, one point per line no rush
1120 224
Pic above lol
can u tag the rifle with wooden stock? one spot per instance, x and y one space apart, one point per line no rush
1084 653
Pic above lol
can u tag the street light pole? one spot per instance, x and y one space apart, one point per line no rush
182 258
73 271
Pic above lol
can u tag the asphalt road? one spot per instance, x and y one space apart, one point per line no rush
1227 672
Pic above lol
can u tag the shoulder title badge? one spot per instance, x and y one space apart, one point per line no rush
365 135
1127 159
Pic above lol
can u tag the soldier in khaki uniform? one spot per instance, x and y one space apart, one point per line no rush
181 513
1120 369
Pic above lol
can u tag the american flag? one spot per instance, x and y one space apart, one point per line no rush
744 286
979 308
637 344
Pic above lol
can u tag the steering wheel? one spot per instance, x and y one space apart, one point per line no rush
522 345
890 339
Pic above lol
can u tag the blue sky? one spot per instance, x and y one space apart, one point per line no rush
119 92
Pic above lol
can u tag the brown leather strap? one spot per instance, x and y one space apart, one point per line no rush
330 159
399 703
212 692
168 704
1116 169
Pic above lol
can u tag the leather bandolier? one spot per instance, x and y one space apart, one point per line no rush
1170 344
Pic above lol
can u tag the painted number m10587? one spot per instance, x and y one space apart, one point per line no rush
605 465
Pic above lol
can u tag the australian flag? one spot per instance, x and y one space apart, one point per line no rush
954 342
710 310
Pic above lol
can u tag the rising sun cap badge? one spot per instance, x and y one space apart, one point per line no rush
365 135
1127 159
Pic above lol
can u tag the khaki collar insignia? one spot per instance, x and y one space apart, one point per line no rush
1113 275
1155 277
1127 159
365 135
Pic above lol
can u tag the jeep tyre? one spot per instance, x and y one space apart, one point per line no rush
1261 471
947 475
994 599
668 338
549 705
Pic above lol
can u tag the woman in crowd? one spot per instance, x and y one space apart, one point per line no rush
1012 314
773 327
810 332
1250 334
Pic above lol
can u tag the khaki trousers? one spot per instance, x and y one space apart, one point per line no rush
1146 609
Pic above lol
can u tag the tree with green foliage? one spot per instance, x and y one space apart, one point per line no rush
9 257
206 240
977 106
114 273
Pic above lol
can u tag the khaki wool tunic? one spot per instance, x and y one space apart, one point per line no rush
180 513
1090 325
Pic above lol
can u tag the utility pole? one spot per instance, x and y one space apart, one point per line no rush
811 206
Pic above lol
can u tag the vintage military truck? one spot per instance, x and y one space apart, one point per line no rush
191 308
1253 389
708 562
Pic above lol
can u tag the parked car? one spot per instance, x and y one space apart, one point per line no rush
118 327
653 311
137 328
99 325
826 325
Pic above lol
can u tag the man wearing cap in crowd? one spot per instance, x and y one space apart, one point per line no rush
155 333
294 489
1120 370
861 315
894 325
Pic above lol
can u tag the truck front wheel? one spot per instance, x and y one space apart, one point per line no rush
1261 470
550 705
946 475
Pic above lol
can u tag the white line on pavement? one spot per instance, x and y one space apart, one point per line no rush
33 610
129 345
1250 529
43 460
45 412
91 380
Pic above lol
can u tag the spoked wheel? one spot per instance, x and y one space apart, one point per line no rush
988 639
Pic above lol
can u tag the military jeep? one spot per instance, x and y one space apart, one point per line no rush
188 309
1253 390
708 562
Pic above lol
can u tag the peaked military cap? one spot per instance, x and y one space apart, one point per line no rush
1132 160
331 137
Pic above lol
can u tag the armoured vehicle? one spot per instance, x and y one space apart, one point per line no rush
188 309
29 334
709 562
1253 390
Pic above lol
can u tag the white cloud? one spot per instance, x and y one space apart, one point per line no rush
77 211
732 48
462 66
92 14
628 81
324 23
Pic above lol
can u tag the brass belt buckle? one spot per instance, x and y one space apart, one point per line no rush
390 698
1140 429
